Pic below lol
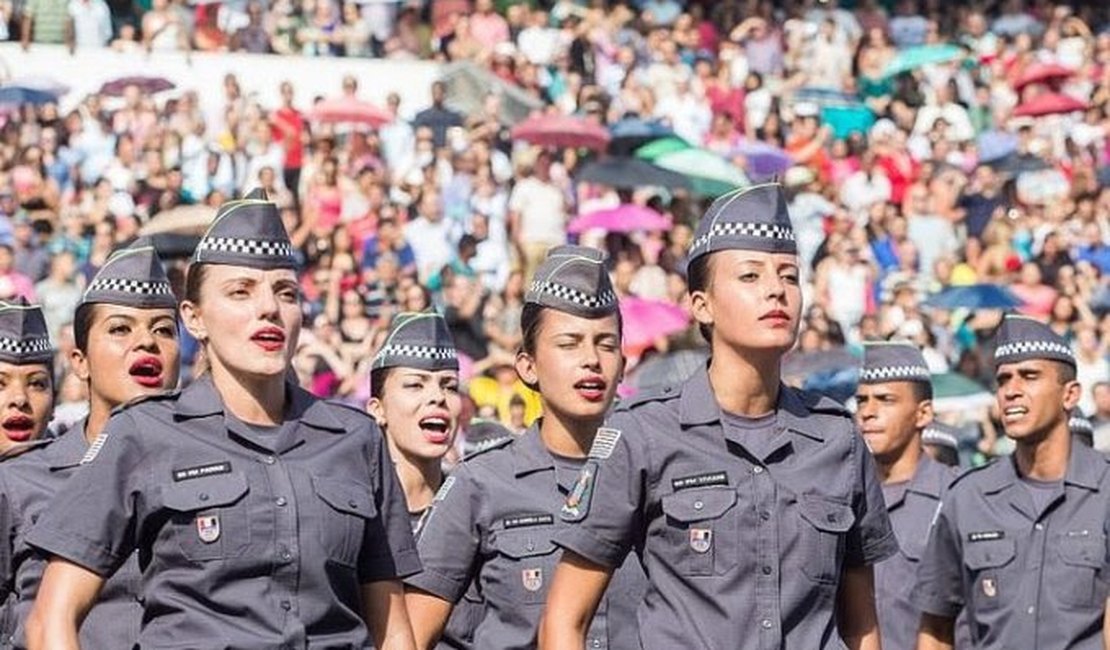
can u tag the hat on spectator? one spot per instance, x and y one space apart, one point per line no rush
247 232
23 334
892 361
132 277
752 218
1020 338
417 340
573 279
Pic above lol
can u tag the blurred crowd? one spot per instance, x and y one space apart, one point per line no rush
911 168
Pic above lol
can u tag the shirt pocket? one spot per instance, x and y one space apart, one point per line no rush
991 581
825 523
209 517
1084 557
701 530
526 559
346 506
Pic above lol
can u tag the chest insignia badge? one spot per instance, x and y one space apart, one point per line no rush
990 587
532 579
208 528
701 540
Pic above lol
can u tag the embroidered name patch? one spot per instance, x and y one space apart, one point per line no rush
201 471
985 535
701 480
525 521
604 443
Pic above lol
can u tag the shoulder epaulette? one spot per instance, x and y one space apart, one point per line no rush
349 407
154 397
969 471
497 443
656 394
818 403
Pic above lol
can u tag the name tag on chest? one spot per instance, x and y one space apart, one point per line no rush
200 471
701 480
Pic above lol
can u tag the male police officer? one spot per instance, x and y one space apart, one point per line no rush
1021 543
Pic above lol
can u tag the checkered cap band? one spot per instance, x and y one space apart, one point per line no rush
1079 424
1035 348
603 300
422 352
242 246
936 437
894 373
138 287
742 229
23 347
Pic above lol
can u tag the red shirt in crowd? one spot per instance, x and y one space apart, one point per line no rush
288 129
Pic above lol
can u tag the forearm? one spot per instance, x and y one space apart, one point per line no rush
66 593
576 590
936 633
386 616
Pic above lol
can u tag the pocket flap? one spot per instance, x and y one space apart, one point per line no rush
988 554
350 497
203 493
1085 550
823 513
525 542
699 504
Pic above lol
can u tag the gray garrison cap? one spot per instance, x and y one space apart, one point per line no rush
417 340
1020 338
132 277
752 218
941 435
574 280
1081 428
893 361
247 232
23 334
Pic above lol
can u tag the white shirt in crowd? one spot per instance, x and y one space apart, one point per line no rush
542 210
92 23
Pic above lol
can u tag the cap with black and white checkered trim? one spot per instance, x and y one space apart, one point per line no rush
1020 338
24 337
247 233
132 277
752 218
573 279
417 340
892 361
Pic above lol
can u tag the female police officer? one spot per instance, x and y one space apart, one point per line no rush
754 507
494 519
125 329
263 517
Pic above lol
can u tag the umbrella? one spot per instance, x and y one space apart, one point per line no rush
668 369
562 131
631 133
630 173
47 84
953 392
975 296
146 85
349 109
646 321
182 220
763 160
468 84
824 96
846 120
24 95
996 146
623 218
653 150
1015 163
1049 104
710 174
1042 73
922 55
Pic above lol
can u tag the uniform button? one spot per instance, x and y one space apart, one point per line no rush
757 470
766 623
203 496
530 546
596 643
764 515
353 504
286 605
286 555
269 460
1038 526
698 505
280 501
767 570
1030 610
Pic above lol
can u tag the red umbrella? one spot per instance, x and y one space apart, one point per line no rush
1049 104
1041 73
646 321
562 131
623 218
349 109
146 85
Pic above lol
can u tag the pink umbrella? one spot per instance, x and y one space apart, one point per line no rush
623 218
562 131
349 109
1042 73
646 321
1049 104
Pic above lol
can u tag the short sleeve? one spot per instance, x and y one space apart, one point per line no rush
607 519
939 587
872 537
92 519
451 540
388 549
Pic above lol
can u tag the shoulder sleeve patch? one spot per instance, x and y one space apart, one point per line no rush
577 504
604 443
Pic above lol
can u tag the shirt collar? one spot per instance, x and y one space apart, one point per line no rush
70 447
529 453
930 478
1086 468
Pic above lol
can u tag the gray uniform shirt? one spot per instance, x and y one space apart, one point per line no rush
28 483
494 522
1025 578
244 541
742 550
911 507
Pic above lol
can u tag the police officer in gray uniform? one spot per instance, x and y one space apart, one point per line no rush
495 519
942 443
1020 544
137 355
263 517
894 408
754 507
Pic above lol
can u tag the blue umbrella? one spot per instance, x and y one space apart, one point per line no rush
764 160
631 133
975 296
24 95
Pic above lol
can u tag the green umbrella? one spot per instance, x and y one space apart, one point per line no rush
710 174
953 392
915 57
653 150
